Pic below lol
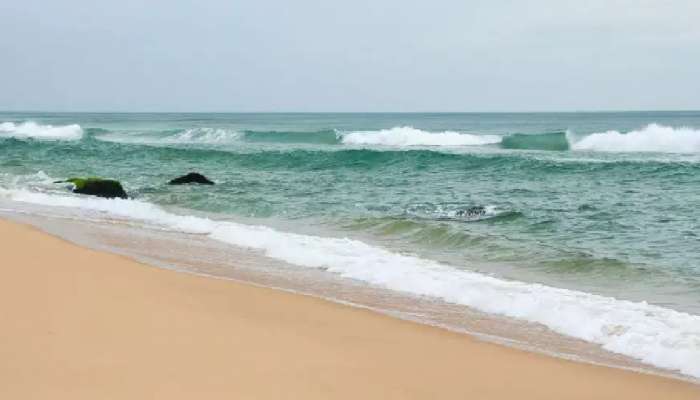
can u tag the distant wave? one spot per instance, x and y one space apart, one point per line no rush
409 136
32 130
207 136
394 137
656 335
220 136
652 138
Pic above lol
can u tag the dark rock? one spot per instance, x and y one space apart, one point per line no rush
107 188
192 177
472 212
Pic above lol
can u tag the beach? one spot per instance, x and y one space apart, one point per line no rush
524 229
84 324
391 200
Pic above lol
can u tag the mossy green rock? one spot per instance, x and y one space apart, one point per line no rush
98 187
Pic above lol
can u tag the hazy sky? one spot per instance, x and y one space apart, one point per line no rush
378 55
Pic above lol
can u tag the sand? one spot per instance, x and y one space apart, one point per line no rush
80 324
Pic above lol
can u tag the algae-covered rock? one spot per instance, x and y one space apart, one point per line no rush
192 177
108 188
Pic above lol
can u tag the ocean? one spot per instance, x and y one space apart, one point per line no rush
584 225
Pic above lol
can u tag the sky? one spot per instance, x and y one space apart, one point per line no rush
380 55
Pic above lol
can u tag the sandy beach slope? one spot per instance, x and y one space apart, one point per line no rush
79 324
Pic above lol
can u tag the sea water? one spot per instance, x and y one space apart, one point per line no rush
586 223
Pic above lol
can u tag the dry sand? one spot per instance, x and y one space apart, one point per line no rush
80 324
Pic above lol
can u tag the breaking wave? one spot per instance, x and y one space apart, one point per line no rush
409 136
206 136
394 137
652 138
32 130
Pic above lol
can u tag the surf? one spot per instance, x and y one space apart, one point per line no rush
658 336
406 136
652 138
33 130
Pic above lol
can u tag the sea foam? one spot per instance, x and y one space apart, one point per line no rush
409 136
32 130
202 136
652 138
655 335
206 136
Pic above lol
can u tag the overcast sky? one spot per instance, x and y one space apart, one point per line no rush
374 55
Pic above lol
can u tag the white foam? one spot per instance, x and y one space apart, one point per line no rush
32 130
408 136
652 138
656 335
205 136
37 181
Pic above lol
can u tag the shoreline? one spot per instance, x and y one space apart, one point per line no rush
201 256
89 324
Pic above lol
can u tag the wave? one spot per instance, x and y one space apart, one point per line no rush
206 136
409 136
652 138
397 137
32 130
655 335
221 136
555 141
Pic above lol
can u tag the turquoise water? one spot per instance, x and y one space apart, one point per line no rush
585 223
617 215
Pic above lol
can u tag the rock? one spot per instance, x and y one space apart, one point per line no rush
97 187
472 212
192 177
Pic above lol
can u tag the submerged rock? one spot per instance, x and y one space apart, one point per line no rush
107 188
192 177
471 212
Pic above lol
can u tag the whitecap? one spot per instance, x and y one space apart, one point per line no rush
652 138
32 130
409 136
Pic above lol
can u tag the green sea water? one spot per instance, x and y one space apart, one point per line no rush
600 202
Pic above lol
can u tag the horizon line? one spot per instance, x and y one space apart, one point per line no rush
583 111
